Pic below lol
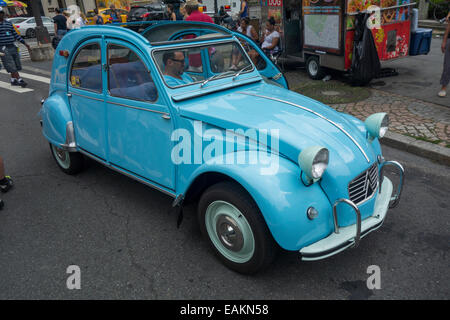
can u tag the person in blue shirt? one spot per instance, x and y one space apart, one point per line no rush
243 13
174 69
114 15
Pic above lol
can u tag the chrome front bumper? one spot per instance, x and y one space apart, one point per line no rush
343 238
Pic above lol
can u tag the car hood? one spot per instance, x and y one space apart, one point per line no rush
301 122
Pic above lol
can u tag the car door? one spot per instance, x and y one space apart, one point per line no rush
265 66
139 122
87 101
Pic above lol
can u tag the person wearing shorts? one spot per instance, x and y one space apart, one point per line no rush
9 53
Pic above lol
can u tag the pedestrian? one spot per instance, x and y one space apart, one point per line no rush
194 14
10 54
445 47
114 15
271 37
183 12
243 13
6 182
171 12
80 21
247 29
70 21
60 22
98 18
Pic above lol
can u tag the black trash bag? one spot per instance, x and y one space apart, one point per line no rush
365 62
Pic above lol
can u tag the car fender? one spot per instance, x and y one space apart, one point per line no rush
281 197
56 119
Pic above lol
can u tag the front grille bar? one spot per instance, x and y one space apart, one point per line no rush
358 218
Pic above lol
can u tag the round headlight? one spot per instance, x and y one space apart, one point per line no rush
314 161
377 125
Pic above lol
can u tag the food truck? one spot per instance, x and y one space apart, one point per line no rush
321 32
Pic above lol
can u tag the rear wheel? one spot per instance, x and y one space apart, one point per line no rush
313 68
69 162
30 33
235 228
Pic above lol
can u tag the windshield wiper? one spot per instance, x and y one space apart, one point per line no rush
215 76
242 70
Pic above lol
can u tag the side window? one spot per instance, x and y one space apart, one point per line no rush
128 76
86 70
257 60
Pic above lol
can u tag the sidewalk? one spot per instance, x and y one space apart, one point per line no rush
416 126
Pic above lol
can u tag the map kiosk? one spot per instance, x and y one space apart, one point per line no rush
320 32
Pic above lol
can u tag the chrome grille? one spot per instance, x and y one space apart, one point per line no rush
364 186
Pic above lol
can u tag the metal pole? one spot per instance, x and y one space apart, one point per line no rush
42 35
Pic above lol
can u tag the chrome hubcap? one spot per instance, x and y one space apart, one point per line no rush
62 157
229 233
61 154
313 68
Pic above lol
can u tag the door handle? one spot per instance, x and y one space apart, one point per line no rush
69 95
165 116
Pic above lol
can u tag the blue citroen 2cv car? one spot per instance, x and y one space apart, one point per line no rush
201 114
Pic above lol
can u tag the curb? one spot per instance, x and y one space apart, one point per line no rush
421 148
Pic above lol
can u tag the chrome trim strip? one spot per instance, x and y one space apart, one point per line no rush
317 114
358 218
81 95
111 166
138 108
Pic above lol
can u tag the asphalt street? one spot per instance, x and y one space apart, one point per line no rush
126 244
418 76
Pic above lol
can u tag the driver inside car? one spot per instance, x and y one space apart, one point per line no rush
174 62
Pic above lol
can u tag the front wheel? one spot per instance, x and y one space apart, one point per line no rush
69 162
233 225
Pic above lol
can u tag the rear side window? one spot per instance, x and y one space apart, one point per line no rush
86 72
128 76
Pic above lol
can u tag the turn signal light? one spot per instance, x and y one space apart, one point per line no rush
64 53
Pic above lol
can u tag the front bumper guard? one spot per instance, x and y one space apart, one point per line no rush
345 237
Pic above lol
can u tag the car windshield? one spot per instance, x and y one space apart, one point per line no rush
199 64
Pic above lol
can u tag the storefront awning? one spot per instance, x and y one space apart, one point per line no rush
8 3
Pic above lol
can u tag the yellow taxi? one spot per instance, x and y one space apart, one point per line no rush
105 13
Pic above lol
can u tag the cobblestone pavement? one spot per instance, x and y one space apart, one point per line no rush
411 117
408 116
